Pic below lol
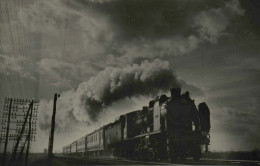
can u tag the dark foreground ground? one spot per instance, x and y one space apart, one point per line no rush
211 158
253 155
110 161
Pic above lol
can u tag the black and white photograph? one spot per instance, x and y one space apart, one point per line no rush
129 82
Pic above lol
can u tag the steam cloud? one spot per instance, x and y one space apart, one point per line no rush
115 83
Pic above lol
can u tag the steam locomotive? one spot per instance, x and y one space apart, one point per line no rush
168 129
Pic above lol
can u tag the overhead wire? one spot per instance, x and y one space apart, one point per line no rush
17 45
22 46
6 50
2 44
38 26
17 86
64 44
12 51
6 92
31 63
27 87
3 90
37 57
2 39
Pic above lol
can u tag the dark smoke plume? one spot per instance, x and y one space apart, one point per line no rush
114 83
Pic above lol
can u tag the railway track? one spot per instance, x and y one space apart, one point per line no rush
120 161
105 161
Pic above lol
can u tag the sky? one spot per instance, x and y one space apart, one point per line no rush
108 57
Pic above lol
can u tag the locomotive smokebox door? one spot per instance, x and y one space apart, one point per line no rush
204 116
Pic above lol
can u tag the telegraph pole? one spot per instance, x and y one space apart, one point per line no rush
13 113
50 154
21 132
29 136
7 132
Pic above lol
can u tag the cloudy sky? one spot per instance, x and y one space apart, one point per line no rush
109 57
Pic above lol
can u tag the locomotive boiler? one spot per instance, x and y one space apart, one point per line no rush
167 129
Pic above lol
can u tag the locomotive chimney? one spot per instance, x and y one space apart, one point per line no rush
162 99
151 103
175 93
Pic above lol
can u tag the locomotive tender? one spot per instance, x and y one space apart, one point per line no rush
169 128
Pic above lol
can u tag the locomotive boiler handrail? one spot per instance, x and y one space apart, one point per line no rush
138 136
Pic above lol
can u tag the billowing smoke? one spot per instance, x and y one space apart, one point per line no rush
114 83
113 92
